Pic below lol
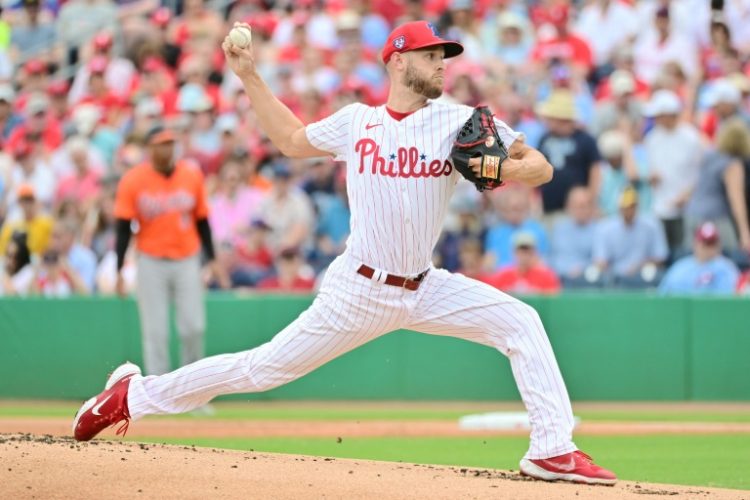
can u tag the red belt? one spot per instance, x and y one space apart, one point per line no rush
399 281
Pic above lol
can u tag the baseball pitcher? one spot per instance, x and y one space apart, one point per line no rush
404 160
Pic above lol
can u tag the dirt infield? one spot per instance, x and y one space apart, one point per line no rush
46 467
178 428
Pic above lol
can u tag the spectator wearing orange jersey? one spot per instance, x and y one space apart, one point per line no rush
167 199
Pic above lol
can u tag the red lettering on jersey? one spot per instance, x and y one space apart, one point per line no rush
436 168
364 147
404 163
447 168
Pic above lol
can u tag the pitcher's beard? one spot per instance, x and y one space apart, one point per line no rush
420 85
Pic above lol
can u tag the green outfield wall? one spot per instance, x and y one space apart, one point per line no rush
610 347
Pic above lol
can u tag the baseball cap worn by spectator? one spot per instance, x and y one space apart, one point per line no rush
58 88
103 41
723 91
35 67
524 240
22 149
36 104
707 233
611 144
663 102
559 106
161 17
621 82
7 94
628 198
417 35
281 171
25 192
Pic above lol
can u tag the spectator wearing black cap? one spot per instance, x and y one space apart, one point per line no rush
706 271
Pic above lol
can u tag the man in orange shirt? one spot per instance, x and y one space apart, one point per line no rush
528 274
167 201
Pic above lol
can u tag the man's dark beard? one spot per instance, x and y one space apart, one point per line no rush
421 86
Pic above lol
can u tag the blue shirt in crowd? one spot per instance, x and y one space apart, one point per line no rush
572 246
688 275
500 241
83 262
334 219
626 248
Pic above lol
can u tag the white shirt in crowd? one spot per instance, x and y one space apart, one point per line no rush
651 55
674 156
608 30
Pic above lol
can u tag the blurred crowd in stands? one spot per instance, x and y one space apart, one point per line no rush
642 107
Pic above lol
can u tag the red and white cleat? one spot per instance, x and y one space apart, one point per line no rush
576 467
108 408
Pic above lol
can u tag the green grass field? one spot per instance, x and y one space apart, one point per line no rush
721 460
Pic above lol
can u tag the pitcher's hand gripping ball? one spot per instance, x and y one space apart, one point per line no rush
241 36
478 138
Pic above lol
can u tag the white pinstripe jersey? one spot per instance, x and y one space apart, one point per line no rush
399 178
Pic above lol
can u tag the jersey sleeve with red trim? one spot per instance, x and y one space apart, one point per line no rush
332 134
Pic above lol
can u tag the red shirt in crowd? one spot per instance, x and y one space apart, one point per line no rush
538 279
82 189
743 285
51 139
570 48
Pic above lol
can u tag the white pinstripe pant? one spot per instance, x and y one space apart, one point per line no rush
351 310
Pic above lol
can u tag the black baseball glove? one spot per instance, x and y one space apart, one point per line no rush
479 138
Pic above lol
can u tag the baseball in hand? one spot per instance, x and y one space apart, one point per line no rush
241 36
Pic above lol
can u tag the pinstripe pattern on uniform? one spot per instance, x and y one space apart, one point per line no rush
395 223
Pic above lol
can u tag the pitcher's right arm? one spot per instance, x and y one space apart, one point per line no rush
285 130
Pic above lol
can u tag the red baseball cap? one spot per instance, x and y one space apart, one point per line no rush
161 17
25 191
707 233
103 40
22 149
559 15
417 35
35 67
58 88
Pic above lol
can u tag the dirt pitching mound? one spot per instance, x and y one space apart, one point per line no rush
48 467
